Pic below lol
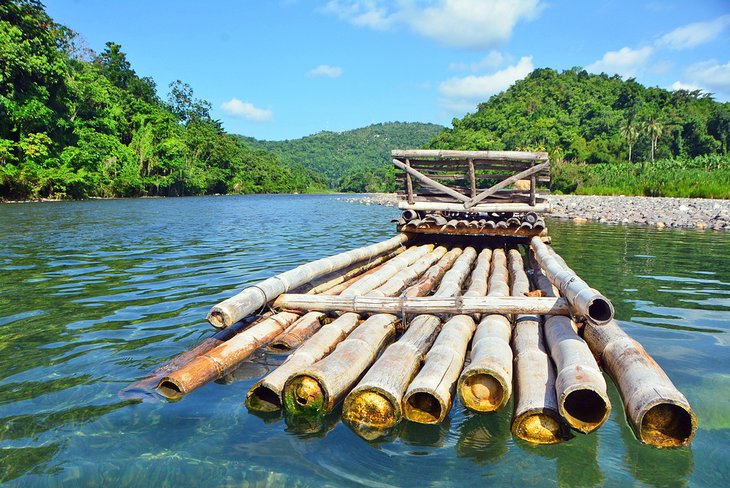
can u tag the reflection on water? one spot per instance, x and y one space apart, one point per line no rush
94 295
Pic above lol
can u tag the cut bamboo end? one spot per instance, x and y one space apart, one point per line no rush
424 407
665 423
261 398
584 408
483 391
196 373
171 389
304 395
219 319
540 426
371 410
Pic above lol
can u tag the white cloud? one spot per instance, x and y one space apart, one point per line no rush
626 61
710 74
692 35
475 24
491 60
246 110
326 71
680 85
463 93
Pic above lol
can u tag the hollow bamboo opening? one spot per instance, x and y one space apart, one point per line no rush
371 409
170 389
263 399
540 428
279 347
482 392
666 425
585 409
423 407
217 319
304 395
600 311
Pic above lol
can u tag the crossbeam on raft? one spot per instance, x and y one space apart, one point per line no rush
426 305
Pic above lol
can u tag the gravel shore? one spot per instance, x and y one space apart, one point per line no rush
655 211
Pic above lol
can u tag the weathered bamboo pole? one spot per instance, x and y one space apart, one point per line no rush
142 389
224 358
580 387
375 403
297 332
428 398
266 395
426 305
537 417
488 155
453 280
370 282
586 301
315 390
485 385
254 297
658 413
505 183
431 277
482 207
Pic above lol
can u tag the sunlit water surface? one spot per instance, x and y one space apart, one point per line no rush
93 295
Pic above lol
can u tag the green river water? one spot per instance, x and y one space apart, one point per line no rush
95 294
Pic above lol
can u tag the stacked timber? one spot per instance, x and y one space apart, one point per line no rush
407 328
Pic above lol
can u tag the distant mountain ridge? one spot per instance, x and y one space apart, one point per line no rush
354 160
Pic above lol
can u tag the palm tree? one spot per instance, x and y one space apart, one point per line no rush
631 133
654 131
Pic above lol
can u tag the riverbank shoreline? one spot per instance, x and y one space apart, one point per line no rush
698 213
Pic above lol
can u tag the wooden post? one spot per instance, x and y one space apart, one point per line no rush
658 413
533 182
409 183
472 179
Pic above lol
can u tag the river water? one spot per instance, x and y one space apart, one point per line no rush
95 294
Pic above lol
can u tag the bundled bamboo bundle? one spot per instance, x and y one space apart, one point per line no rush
225 357
254 297
586 301
579 386
315 390
428 398
375 403
658 413
486 384
266 395
537 418
296 333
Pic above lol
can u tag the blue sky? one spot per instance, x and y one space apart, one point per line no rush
284 69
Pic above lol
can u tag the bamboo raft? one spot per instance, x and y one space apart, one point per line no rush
468 303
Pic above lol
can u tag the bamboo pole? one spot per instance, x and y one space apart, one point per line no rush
374 405
266 395
254 297
224 358
426 305
658 413
580 387
433 276
454 278
315 390
586 301
296 333
485 385
482 207
430 182
537 417
487 155
505 183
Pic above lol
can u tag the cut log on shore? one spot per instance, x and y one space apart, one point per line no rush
255 297
659 414
427 305
579 385
297 332
586 301
537 417
485 385
266 395
224 358
315 390
374 405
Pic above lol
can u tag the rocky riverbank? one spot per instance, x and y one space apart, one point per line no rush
655 211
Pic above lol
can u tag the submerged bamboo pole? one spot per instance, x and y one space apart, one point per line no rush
586 301
486 384
428 398
254 297
537 417
374 405
658 413
266 395
315 390
580 387
296 333
224 358
426 305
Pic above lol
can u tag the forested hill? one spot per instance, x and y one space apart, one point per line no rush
75 124
577 116
356 160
